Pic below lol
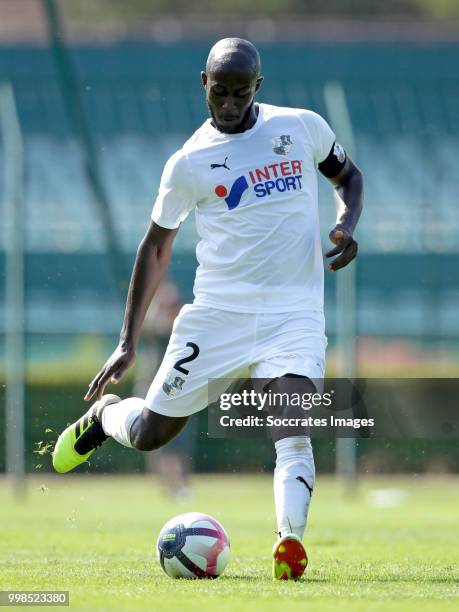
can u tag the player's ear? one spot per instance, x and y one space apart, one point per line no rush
258 83
204 78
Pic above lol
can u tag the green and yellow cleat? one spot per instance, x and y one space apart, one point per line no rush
290 558
80 440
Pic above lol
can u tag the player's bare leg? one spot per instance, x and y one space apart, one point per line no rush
134 425
152 430
293 484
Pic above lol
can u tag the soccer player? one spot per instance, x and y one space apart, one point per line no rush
249 173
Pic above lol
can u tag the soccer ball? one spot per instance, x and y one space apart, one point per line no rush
193 545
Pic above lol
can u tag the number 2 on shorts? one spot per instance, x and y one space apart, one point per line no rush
192 357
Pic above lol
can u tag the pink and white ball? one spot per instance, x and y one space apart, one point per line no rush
193 545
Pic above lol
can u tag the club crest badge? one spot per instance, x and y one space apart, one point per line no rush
282 144
173 384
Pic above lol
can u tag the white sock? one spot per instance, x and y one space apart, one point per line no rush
117 419
294 468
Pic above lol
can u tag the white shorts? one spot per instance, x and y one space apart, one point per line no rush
207 343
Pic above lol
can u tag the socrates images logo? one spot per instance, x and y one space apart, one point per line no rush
278 177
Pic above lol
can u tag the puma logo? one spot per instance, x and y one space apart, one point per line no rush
301 479
223 165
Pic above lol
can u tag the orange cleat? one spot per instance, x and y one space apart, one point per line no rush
290 558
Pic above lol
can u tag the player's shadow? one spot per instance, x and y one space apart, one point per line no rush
322 580
245 578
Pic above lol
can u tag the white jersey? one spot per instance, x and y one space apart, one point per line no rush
255 200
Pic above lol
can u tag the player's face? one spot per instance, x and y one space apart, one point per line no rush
229 98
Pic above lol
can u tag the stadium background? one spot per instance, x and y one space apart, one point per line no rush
137 71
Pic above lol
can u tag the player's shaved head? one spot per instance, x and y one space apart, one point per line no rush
234 55
231 80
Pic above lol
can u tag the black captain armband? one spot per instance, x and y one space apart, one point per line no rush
332 165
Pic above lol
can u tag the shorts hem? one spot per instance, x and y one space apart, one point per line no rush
174 414
259 309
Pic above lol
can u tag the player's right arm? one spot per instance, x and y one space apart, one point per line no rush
175 199
150 265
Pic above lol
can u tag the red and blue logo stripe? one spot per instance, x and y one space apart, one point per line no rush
284 176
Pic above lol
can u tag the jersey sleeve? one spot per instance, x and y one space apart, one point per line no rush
175 196
321 134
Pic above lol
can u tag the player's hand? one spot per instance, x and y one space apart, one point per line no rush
346 248
113 370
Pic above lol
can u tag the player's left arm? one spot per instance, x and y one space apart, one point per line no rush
348 182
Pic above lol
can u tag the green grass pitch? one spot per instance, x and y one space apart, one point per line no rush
95 535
